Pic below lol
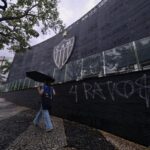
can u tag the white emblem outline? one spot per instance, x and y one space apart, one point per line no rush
62 52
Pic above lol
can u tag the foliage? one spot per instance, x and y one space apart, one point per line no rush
2 77
19 17
5 67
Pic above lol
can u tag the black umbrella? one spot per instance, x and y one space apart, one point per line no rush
38 76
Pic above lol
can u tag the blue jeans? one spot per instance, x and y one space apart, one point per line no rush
47 119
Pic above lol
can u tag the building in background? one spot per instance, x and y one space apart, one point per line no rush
101 68
112 38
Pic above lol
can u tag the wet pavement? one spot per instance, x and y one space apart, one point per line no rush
18 133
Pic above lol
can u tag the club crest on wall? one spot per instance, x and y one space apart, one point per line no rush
62 51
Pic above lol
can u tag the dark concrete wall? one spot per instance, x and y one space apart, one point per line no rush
119 104
114 23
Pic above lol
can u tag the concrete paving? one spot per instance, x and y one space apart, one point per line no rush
8 109
18 133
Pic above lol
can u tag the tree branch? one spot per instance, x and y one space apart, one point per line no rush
18 17
3 34
5 5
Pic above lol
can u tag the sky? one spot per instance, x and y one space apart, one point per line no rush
70 11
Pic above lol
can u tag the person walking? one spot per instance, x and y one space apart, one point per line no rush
46 92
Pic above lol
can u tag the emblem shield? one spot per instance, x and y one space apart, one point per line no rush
62 51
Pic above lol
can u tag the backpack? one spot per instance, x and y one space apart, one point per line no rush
47 91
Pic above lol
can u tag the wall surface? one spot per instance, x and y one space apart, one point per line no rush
119 104
111 23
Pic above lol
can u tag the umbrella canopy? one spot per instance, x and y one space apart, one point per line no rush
38 76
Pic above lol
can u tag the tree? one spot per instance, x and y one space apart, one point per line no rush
2 77
4 70
18 19
5 67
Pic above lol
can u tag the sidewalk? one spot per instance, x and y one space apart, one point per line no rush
18 133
